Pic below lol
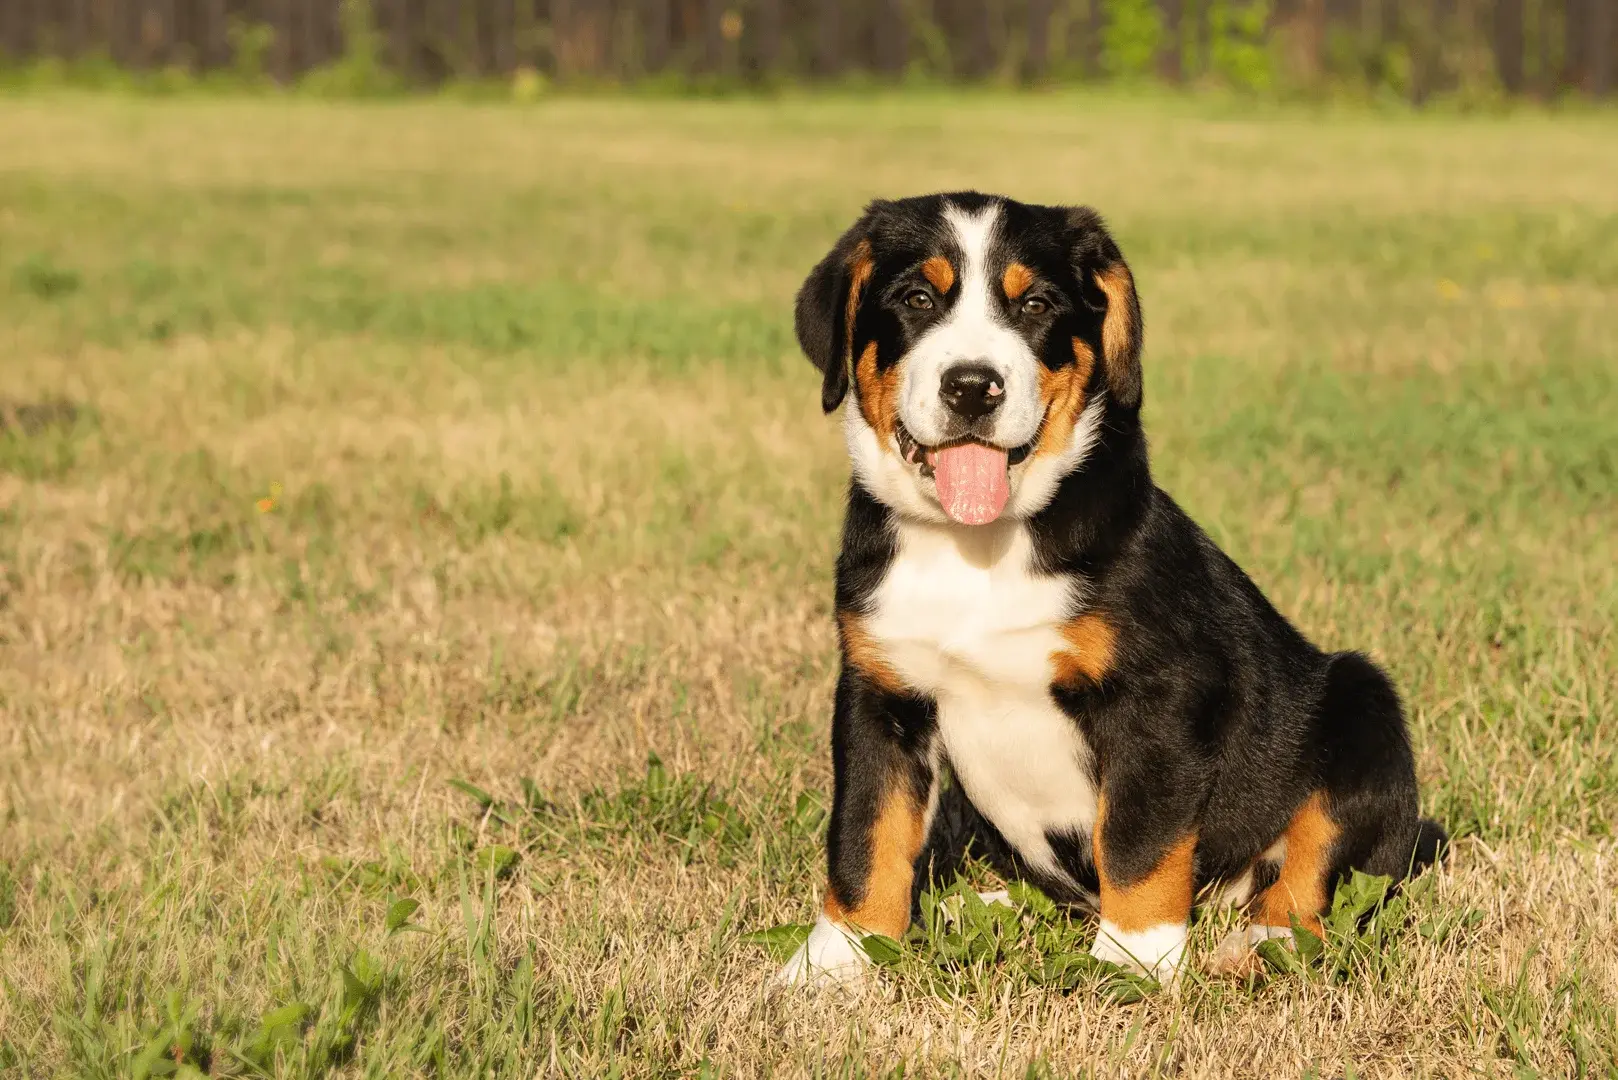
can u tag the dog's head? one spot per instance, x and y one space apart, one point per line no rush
981 339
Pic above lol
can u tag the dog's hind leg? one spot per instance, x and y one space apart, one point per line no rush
1361 817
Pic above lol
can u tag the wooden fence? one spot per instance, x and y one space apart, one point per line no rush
1418 47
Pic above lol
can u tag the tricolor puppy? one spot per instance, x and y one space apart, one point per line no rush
1121 710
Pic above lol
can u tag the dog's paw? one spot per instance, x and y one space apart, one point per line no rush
1155 951
1236 953
831 957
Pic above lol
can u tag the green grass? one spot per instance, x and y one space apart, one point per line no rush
425 502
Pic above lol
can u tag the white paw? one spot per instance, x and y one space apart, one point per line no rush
831 957
999 896
1235 955
1155 951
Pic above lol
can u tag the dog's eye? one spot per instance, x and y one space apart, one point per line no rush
1034 306
919 299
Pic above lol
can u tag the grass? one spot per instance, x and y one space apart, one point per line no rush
416 530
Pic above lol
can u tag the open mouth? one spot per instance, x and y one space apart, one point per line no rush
971 476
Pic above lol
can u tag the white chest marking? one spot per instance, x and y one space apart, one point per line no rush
963 617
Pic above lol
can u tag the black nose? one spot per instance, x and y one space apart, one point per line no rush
972 390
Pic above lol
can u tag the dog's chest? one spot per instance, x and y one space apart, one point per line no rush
962 617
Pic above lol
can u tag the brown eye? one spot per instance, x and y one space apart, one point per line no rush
1034 306
920 300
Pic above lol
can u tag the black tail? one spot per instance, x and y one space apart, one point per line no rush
1432 845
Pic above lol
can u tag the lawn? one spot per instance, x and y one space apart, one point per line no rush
416 529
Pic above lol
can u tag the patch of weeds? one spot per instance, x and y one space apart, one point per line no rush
1361 934
541 514
40 440
1590 1033
679 808
215 810
41 276
338 1031
303 1038
178 1046
279 1034
962 942
169 555
560 691
222 515
390 874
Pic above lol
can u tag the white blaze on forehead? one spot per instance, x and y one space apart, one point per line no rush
974 330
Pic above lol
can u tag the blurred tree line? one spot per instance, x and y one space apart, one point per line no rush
1413 49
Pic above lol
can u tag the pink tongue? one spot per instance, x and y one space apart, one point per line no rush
971 482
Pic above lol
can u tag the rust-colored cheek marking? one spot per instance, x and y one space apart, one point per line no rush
1062 392
1301 888
939 272
861 652
879 394
1118 328
896 838
1089 653
1016 280
1163 895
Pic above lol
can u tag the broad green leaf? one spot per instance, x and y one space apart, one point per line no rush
497 858
1127 989
780 941
1310 947
1031 899
1361 893
1279 958
1069 969
285 1016
481 797
354 991
881 948
154 1060
399 913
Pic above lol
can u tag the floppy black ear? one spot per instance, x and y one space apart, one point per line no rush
827 303
1103 273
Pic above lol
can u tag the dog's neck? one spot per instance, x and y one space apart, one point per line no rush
1099 505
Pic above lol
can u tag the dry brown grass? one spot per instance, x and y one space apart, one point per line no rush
551 494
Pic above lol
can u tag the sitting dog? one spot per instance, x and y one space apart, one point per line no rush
1119 708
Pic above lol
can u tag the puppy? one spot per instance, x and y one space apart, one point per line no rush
1036 635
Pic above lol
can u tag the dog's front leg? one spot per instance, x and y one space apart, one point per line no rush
885 792
1145 849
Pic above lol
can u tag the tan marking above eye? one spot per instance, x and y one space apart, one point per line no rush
939 273
1016 280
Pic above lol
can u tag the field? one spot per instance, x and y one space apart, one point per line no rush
426 502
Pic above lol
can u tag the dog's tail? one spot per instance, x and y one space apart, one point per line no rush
1432 846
